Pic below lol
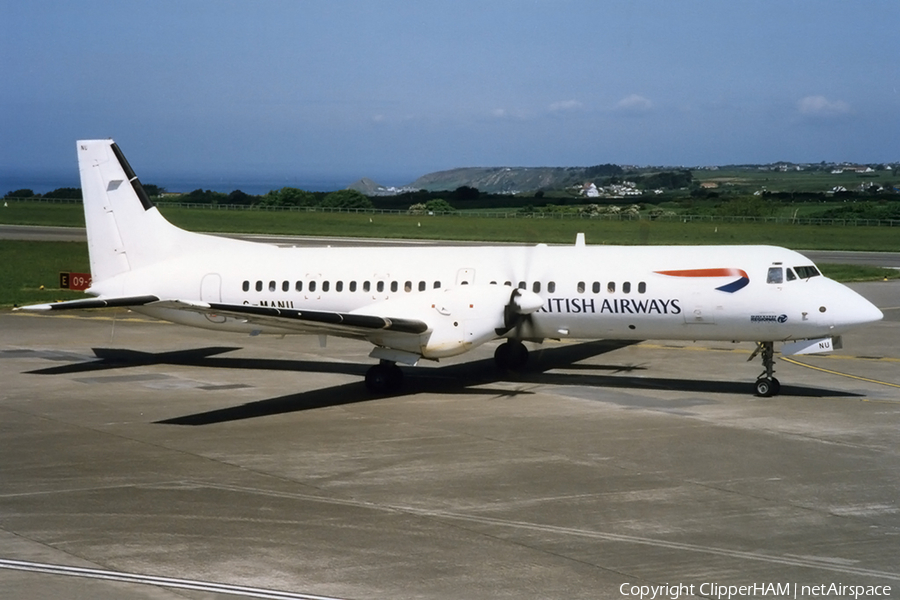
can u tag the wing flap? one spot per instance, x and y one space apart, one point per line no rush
302 321
114 302
329 319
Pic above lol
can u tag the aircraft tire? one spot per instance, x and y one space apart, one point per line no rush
511 355
384 378
766 387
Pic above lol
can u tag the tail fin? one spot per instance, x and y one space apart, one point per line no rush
125 231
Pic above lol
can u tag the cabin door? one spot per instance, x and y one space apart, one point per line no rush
211 288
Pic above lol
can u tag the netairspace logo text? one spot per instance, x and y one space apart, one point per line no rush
760 590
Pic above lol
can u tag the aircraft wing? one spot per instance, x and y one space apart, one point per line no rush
306 320
302 321
113 302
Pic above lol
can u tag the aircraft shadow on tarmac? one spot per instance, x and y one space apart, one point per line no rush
464 378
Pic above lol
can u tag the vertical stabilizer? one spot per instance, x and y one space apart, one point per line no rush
125 231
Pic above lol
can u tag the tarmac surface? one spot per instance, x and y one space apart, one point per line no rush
142 460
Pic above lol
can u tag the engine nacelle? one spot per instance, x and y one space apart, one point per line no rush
459 319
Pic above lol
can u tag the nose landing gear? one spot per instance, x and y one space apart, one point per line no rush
766 385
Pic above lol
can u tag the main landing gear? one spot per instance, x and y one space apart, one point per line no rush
383 378
511 355
766 384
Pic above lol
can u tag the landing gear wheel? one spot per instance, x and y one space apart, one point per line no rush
765 387
511 355
383 378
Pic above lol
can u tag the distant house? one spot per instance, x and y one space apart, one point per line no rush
590 190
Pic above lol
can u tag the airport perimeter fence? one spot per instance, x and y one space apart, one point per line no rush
513 214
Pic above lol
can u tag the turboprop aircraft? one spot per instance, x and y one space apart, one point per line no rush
437 302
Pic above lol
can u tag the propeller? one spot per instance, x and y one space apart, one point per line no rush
522 304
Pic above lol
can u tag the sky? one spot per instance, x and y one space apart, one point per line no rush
343 89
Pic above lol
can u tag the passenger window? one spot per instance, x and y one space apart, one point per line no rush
312 286
611 287
790 275
595 287
522 285
536 287
352 286
437 285
422 286
367 286
580 287
394 286
325 286
775 275
642 288
626 287
407 287
298 286
507 283
271 286
259 286
246 286
285 286
380 286
551 287
339 286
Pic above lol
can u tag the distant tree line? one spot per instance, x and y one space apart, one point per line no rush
286 197
62 193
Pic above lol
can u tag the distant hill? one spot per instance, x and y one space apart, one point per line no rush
500 180
494 180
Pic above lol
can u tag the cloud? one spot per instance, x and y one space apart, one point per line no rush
634 104
564 105
512 114
820 106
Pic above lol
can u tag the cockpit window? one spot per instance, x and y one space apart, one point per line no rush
807 272
790 275
776 275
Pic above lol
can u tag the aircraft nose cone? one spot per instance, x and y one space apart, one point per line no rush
850 309
871 313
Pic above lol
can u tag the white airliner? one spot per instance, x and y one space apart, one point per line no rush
436 302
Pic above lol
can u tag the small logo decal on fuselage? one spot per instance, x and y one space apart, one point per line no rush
768 318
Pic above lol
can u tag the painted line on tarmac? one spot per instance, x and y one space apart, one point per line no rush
824 564
810 562
800 364
166 582
746 352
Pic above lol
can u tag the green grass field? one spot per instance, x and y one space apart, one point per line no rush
531 230
29 271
